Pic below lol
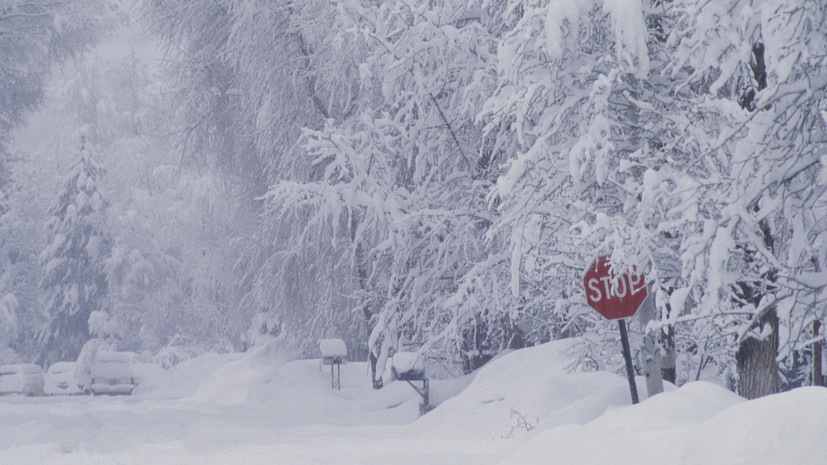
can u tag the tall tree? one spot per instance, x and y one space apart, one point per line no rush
247 97
589 121
756 258
74 281
34 36
403 174
447 169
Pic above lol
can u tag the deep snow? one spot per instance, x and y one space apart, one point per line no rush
264 407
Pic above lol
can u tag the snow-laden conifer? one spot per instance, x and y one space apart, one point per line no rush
74 281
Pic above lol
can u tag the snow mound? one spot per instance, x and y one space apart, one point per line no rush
295 391
185 378
522 408
699 423
246 379
528 388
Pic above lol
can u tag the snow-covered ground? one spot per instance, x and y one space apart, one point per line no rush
264 407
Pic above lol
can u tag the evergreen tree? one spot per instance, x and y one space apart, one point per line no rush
74 282
34 36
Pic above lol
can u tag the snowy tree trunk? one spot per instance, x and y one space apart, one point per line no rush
818 376
667 361
668 354
74 283
756 360
362 277
756 363
651 351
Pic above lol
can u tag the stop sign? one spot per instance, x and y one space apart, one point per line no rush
620 299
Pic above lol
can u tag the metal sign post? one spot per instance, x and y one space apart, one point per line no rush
627 356
619 297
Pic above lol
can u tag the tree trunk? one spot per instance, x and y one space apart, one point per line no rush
757 367
667 364
650 352
818 376
668 355
367 311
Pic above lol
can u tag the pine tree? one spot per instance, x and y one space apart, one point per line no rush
34 37
74 283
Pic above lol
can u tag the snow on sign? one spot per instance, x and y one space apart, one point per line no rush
333 351
613 300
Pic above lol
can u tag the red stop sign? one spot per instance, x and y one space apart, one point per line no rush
613 300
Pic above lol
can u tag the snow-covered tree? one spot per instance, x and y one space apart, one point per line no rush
74 282
438 175
587 120
402 173
34 34
21 226
756 261
34 37
8 329
248 96
169 222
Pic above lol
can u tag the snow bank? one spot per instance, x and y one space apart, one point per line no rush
246 379
184 379
699 423
526 389
296 392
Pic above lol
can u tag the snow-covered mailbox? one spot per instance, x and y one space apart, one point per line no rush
410 367
334 353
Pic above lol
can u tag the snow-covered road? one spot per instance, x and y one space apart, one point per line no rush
84 430
521 409
235 409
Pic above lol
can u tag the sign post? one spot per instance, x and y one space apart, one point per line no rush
616 299
627 357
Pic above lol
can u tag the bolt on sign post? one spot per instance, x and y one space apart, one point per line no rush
616 299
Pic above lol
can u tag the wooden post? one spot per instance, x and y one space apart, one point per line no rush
818 376
627 356
651 350
426 398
